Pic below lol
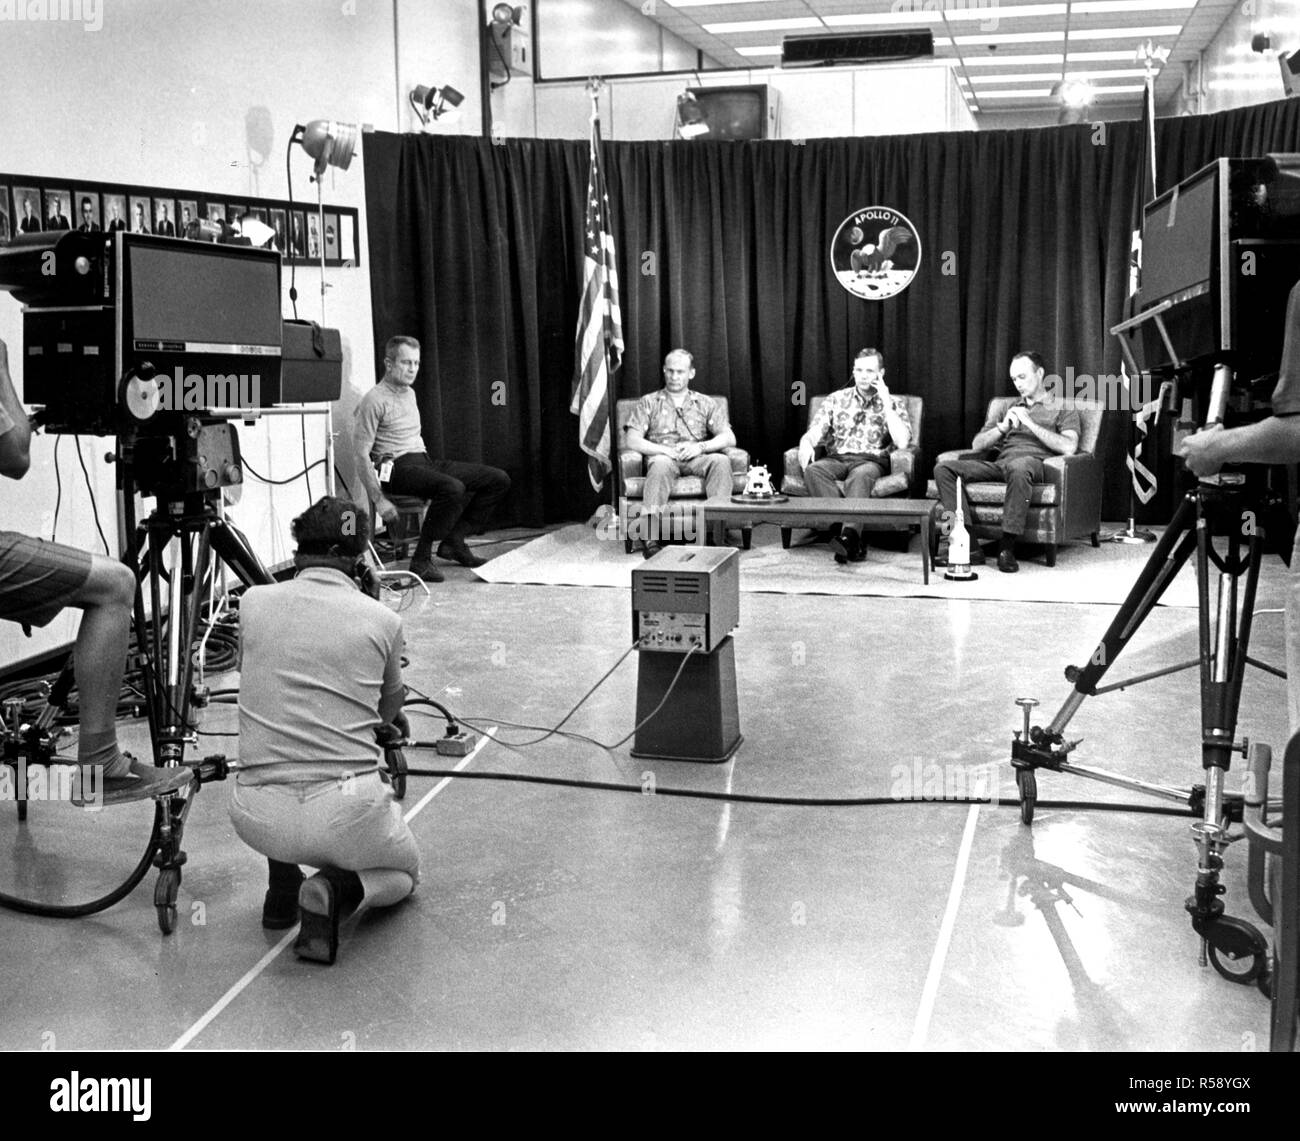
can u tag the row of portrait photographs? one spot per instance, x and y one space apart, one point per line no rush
295 233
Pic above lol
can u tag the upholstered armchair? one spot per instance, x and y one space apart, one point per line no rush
904 463
632 469
1067 505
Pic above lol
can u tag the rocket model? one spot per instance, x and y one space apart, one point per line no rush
959 545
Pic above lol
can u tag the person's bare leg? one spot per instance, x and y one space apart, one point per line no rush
105 601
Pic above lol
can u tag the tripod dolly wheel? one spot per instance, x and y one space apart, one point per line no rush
1027 783
1245 969
1237 951
164 898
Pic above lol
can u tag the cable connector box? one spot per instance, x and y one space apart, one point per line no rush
454 745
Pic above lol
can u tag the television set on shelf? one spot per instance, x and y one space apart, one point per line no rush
733 112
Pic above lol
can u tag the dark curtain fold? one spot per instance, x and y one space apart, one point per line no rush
724 249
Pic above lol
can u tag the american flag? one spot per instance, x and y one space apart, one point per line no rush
1144 479
600 324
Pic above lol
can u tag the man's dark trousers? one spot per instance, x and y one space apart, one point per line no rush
461 496
1018 474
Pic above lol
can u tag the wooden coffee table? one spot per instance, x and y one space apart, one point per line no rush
806 511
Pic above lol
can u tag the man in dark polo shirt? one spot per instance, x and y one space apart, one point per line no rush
462 496
1036 427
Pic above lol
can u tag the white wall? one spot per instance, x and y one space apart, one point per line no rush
159 96
1232 75
893 99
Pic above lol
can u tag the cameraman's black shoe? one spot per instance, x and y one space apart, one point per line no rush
1007 561
323 900
280 907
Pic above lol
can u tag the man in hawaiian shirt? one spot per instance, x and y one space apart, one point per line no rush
678 431
859 426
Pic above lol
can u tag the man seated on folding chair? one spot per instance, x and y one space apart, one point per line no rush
678 431
462 496
37 580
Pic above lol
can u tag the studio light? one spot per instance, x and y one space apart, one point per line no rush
1289 62
691 121
1074 93
328 142
436 102
507 45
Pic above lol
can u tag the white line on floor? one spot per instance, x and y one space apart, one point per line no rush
921 1027
226 999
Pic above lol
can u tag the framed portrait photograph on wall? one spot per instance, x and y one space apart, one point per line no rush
114 212
313 236
6 214
138 215
56 209
189 213
164 217
298 234
27 210
280 224
87 217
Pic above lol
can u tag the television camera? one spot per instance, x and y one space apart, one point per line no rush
163 343
1221 254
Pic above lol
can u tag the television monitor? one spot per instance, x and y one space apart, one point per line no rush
201 310
733 112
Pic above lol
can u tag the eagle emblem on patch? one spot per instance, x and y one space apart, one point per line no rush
875 253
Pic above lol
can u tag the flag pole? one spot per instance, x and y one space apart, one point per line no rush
1151 58
595 85
599 342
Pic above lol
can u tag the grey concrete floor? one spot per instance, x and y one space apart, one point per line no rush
556 918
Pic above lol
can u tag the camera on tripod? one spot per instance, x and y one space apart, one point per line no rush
1220 253
161 342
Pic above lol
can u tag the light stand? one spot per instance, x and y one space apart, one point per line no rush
1152 59
330 144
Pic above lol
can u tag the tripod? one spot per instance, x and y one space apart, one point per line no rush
1231 507
173 552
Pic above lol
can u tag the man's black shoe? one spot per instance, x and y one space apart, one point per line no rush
280 909
847 546
455 551
1007 561
425 570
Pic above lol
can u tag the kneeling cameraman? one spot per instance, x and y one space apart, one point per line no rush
320 671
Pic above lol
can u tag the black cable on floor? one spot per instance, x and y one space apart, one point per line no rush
80 910
786 801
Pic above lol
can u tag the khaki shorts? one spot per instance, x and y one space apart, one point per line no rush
38 578
355 825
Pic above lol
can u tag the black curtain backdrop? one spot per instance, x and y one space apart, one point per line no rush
723 248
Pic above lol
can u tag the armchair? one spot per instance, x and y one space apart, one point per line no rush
904 463
632 470
1067 505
